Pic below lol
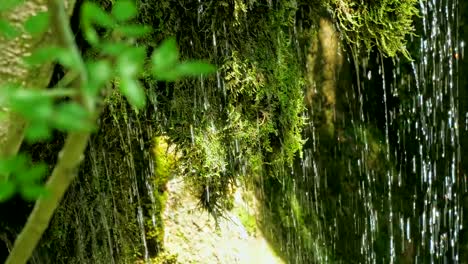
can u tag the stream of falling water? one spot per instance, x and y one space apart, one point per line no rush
434 129
421 138
427 142
113 196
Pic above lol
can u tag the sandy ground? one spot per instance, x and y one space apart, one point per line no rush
193 236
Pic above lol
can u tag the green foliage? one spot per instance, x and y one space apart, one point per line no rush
92 14
124 10
245 121
44 114
52 54
119 61
22 178
167 68
384 24
165 159
247 219
7 30
194 68
164 162
37 24
7 5
206 167
165 258
271 102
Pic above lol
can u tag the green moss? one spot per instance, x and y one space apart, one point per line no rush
164 162
265 109
247 215
165 258
251 114
248 119
384 24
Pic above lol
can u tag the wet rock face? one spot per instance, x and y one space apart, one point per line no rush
195 237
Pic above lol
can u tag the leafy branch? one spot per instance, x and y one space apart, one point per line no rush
119 60
69 158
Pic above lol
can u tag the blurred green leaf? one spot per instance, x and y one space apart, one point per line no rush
165 56
168 75
7 30
13 164
4 169
133 92
32 192
22 176
124 10
112 48
37 131
195 68
99 73
52 53
41 111
133 31
43 55
37 24
71 116
93 14
7 190
130 62
127 68
9 4
32 104
68 58
33 174
90 34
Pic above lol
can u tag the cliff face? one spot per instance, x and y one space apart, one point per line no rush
284 114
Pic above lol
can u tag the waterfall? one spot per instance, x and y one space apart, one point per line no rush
429 119
409 208
378 179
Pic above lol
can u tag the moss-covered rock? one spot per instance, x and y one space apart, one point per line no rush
164 161
229 123
384 24
279 62
249 119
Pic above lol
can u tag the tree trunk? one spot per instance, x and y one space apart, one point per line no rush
14 70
